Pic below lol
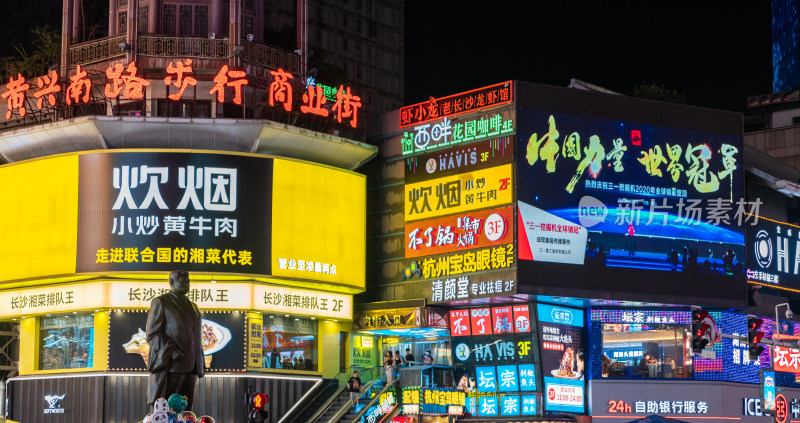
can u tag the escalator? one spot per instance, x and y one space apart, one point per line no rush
332 402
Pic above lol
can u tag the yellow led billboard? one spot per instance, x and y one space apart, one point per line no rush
464 192
318 223
39 212
129 212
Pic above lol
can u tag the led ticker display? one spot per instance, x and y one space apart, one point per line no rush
473 100
642 316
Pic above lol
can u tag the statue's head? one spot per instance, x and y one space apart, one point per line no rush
179 282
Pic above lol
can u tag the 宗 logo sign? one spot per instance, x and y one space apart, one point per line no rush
54 404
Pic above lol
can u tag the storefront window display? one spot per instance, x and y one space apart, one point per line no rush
644 343
66 341
289 343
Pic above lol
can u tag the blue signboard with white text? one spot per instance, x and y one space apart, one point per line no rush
509 405
487 406
487 379
507 378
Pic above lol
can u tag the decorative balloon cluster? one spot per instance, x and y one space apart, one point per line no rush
173 410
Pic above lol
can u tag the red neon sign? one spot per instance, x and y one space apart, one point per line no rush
229 78
16 95
467 101
122 81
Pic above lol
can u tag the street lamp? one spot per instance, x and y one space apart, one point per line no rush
789 315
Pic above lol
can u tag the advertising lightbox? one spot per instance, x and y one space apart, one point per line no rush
459 158
459 193
152 210
562 357
611 189
458 232
772 258
223 341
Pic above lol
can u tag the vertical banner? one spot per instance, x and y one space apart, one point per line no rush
459 322
563 359
254 330
481 321
522 320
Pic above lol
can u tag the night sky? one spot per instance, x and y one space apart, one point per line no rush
717 53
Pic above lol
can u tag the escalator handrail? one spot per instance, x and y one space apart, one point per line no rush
326 404
329 402
375 399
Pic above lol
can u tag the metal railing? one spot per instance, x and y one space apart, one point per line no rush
167 46
271 57
341 378
375 399
96 50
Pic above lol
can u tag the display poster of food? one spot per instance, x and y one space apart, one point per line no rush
562 357
222 334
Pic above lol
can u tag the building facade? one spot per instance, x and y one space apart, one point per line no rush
567 235
166 147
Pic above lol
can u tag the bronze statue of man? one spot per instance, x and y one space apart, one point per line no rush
176 344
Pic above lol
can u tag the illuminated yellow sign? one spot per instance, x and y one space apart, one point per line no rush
207 296
318 223
278 299
366 342
464 192
254 339
149 210
41 215
52 299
